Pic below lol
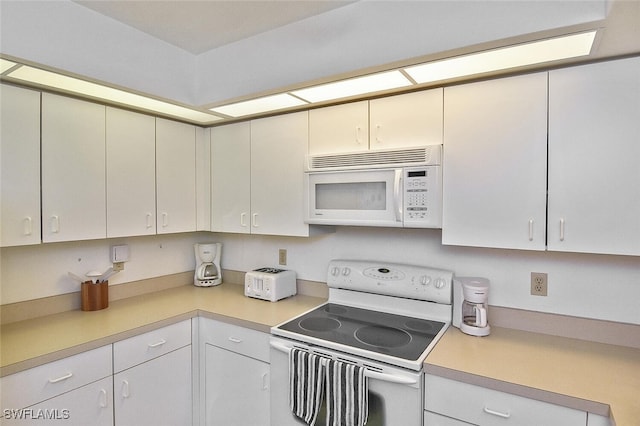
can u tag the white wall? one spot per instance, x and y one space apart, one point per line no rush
584 285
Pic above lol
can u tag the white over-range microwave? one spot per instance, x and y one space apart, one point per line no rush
392 188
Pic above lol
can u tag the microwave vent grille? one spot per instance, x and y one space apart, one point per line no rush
427 155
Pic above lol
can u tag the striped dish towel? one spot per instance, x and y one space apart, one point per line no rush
347 394
306 384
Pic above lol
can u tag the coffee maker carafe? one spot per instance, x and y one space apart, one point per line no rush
470 307
208 272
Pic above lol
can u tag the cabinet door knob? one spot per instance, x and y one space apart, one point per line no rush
55 224
243 221
149 223
103 398
165 219
254 220
27 226
125 389
530 229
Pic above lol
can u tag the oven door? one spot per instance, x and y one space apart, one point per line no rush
354 197
395 394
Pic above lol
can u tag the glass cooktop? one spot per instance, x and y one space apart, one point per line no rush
381 332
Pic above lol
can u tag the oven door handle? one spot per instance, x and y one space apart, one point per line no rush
369 373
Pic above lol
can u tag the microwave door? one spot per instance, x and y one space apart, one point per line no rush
365 197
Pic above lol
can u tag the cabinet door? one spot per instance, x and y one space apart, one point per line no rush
157 392
73 170
175 176
404 121
340 128
495 157
231 178
236 389
203 179
131 174
89 405
20 169
594 178
278 149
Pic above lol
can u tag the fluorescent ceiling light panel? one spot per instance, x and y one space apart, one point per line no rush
509 57
5 65
82 87
354 86
256 106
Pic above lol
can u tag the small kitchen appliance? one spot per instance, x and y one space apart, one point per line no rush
270 284
470 308
208 272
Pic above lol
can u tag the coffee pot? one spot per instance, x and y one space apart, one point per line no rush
208 272
470 305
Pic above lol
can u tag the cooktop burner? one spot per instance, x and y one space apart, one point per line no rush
381 332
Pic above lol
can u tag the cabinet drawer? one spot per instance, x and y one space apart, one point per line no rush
31 386
138 349
433 419
488 407
245 341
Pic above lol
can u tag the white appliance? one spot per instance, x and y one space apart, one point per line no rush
383 316
470 305
270 284
208 272
393 188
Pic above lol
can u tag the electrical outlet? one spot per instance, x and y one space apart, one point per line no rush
538 284
282 257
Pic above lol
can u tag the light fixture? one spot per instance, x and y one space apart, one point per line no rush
6 65
256 106
94 90
354 86
537 52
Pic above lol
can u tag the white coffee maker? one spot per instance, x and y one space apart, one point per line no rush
208 272
470 307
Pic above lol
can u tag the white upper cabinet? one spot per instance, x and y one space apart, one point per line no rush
403 121
231 178
278 150
175 176
494 168
340 128
594 148
203 179
73 169
257 176
131 168
20 169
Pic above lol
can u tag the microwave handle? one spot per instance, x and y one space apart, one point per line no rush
397 194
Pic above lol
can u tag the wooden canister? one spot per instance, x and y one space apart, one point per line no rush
94 296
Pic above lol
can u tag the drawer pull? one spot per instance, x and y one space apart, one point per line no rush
59 379
497 413
155 345
235 340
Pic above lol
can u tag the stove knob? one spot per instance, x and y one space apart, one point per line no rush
425 280
335 271
439 283
346 271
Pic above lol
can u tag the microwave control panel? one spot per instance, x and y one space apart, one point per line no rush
422 196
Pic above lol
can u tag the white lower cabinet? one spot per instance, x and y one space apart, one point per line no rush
154 384
463 402
235 362
76 390
89 405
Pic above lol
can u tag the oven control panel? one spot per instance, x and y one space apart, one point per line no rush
410 281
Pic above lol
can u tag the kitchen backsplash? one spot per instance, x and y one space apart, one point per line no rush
583 285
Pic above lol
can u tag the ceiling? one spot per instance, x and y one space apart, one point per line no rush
199 26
